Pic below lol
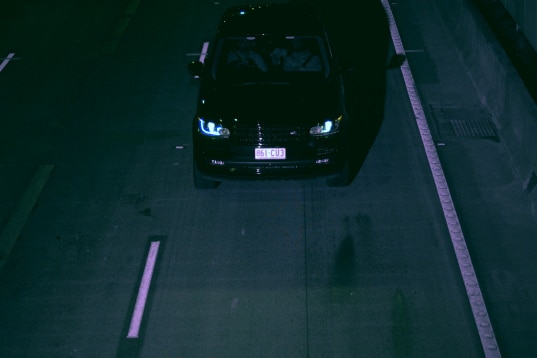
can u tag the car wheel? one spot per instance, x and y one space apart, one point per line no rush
201 182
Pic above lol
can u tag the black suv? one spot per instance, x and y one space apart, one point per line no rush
271 101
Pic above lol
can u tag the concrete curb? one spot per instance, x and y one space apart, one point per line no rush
500 88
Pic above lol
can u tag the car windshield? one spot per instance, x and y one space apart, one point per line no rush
270 59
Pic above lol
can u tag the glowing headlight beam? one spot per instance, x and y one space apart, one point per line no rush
328 126
212 129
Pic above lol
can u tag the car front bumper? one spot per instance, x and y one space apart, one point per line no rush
323 158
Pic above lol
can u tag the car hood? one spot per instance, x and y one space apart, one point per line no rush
272 103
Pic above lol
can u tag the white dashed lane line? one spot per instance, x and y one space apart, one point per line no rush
24 208
201 54
141 299
6 61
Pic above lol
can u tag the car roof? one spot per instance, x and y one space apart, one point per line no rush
269 19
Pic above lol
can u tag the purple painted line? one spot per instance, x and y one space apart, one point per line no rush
6 60
136 320
475 296
204 51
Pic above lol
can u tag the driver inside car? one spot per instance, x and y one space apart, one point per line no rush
246 56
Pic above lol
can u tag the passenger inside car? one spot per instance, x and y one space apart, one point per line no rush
245 56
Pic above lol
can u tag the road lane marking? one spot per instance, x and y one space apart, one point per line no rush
201 54
475 297
131 7
24 208
204 51
110 46
141 299
121 27
6 61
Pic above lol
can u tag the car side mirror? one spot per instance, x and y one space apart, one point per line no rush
396 61
195 68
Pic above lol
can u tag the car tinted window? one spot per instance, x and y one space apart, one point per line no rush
270 58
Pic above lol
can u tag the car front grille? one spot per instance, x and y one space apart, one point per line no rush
254 135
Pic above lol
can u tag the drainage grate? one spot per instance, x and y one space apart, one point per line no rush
473 128
463 122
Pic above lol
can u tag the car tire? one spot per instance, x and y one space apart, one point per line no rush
201 182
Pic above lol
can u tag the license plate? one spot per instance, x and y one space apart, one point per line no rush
269 153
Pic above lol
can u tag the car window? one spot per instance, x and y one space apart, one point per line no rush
270 58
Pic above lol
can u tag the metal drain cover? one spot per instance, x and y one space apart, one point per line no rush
473 128
465 122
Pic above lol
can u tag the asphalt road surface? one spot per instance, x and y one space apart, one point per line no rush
108 250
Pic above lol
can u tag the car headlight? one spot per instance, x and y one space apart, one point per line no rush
212 129
327 127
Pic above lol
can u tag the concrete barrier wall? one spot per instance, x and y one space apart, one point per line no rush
500 88
525 14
